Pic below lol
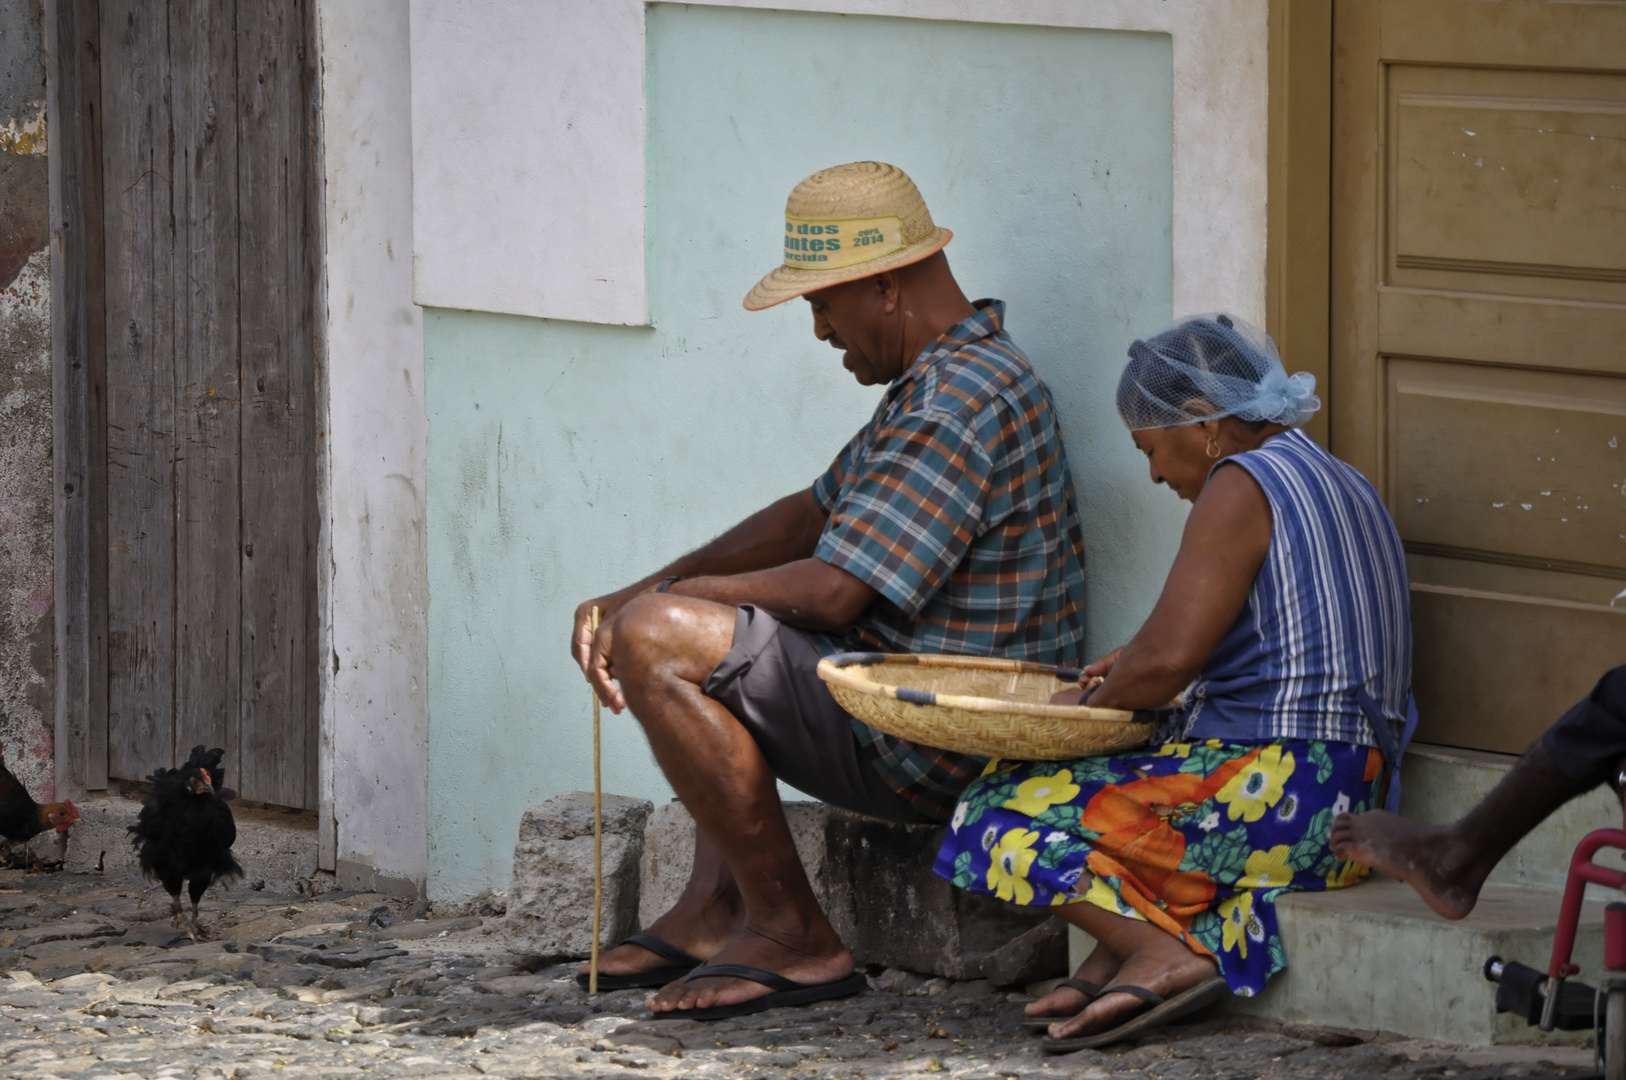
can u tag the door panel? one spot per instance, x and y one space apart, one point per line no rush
141 410
207 132
1508 462
1540 155
1479 339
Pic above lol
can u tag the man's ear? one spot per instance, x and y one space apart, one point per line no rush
886 286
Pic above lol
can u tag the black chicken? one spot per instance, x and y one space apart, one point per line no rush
21 818
185 831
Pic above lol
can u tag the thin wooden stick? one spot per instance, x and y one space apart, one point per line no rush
598 835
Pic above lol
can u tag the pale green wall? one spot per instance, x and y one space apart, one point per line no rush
566 459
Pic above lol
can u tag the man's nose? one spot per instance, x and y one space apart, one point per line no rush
822 328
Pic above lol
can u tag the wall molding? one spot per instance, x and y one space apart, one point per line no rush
529 180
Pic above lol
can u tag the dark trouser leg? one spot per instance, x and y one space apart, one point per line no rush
1448 864
1589 741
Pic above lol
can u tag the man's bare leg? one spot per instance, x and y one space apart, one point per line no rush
1447 864
1129 953
662 650
704 917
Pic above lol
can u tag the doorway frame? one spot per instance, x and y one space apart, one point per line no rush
1298 233
79 417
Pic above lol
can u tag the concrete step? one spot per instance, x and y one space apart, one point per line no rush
277 848
1443 783
1374 957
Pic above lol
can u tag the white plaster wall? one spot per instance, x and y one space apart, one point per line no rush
530 138
528 118
375 712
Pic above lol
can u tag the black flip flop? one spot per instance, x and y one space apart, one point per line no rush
1162 1011
1090 990
784 993
681 964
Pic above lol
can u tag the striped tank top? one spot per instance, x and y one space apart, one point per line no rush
1323 644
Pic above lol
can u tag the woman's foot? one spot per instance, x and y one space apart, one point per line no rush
1158 963
1066 1001
1432 859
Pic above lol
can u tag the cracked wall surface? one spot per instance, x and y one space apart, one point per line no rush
27 661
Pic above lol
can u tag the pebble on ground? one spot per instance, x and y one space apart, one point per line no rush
97 986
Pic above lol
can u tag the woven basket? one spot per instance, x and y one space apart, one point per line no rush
979 705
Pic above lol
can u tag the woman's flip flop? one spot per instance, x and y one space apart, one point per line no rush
784 993
1162 1011
680 964
1090 990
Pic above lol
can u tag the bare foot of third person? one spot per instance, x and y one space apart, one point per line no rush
1432 859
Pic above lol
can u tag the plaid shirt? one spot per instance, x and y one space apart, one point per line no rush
956 505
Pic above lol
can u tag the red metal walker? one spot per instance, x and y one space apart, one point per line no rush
1550 1001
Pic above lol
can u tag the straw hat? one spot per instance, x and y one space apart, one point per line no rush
847 223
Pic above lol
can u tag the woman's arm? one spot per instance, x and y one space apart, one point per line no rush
1221 551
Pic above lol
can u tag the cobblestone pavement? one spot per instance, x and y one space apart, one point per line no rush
97 986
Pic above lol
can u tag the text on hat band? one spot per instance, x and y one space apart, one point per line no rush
830 243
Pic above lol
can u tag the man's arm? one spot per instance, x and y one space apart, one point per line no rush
809 594
784 532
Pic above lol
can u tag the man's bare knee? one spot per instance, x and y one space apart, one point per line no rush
657 633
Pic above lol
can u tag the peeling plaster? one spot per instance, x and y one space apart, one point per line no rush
25 136
27 668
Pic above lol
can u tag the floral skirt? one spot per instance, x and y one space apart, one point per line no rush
1197 838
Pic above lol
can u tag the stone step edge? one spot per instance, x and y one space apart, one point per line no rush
278 850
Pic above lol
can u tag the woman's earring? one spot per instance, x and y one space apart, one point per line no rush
1213 447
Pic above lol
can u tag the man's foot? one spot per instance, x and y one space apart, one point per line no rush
699 933
1064 1001
809 962
1429 858
1161 965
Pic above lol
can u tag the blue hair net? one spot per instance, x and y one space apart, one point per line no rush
1204 367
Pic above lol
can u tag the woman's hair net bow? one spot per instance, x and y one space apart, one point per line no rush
1204 367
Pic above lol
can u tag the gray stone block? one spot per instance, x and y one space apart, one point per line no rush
1040 949
550 901
875 882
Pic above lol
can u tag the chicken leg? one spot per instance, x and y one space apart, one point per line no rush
196 888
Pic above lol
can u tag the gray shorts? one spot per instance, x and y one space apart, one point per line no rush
769 682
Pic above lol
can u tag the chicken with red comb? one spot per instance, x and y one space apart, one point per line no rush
21 818
186 830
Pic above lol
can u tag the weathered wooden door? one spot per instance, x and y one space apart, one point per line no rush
1479 338
210 255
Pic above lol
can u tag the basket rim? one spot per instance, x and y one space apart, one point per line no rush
836 669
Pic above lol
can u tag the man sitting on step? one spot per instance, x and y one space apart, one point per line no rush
1447 864
946 525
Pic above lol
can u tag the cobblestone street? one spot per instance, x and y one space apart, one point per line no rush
99 986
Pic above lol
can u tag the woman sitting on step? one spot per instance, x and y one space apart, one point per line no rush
1284 627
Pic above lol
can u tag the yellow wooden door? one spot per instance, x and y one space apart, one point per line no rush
1478 372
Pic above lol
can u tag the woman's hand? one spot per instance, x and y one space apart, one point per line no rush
1095 673
1091 677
